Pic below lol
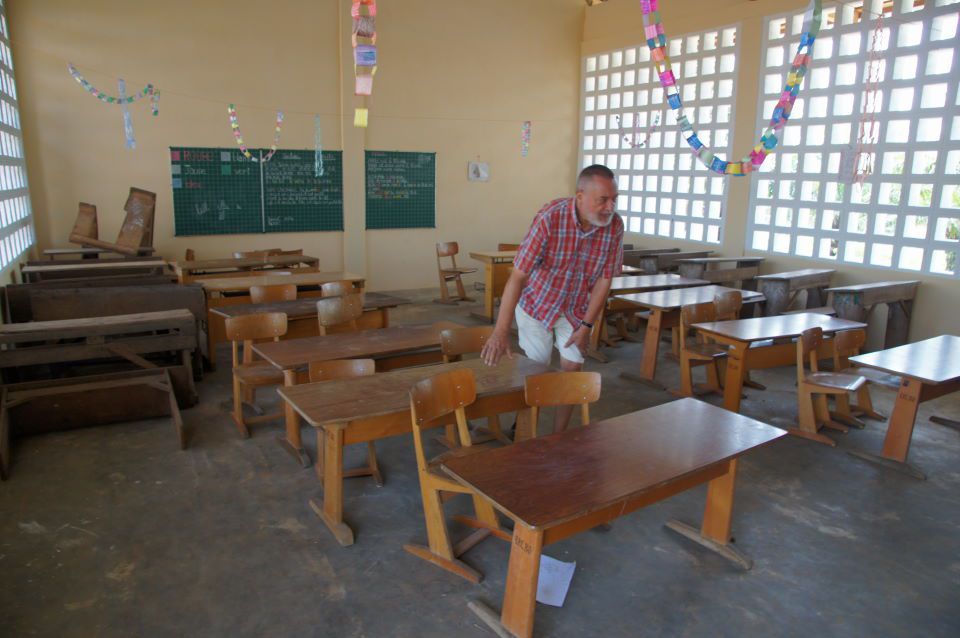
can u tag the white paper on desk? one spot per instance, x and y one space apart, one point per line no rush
554 582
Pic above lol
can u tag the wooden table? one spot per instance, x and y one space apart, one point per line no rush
496 271
664 306
392 347
927 369
188 271
552 489
88 253
631 256
782 288
664 261
630 285
723 270
42 271
856 302
741 334
375 407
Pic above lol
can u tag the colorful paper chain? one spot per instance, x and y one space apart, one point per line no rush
657 43
364 54
148 90
232 112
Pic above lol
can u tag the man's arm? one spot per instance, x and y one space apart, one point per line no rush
499 342
598 297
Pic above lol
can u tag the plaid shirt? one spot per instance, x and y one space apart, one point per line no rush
564 262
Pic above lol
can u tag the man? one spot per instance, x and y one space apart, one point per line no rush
561 277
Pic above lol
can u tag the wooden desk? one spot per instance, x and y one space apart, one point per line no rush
662 262
927 369
631 256
782 288
626 270
742 333
552 487
370 408
88 253
664 309
496 271
856 302
188 271
99 268
392 347
630 285
723 270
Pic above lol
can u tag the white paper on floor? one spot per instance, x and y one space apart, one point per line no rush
554 581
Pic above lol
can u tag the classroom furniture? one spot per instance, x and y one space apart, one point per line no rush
496 271
367 409
270 294
440 397
857 302
339 312
667 261
249 374
553 389
727 271
773 347
454 343
390 347
63 269
729 306
189 255
781 289
136 231
814 387
645 456
664 306
452 273
696 351
632 256
337 288
188 271
86 224
503 246
88 253
848 344
927 369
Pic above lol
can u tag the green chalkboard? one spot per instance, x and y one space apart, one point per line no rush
401 189
218 191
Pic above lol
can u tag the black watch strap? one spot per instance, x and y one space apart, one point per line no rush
587 324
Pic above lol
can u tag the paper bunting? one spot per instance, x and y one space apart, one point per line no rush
869 129
525 138
235 125
122 100
364 40
317 148
657 43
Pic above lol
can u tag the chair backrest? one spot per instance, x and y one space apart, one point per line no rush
255 254
508 246
137 228
455 342
189 255
337 288
86 224
447 249
250 328
845 345
728 305
339 311
562 388
807 346
695 313
341 369
279 292
437 397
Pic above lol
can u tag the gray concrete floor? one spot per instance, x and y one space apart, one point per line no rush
112 531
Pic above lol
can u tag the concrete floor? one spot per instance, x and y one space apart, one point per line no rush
112 531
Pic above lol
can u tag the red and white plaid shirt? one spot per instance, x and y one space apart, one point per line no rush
564 262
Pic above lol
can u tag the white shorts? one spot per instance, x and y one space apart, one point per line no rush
537 342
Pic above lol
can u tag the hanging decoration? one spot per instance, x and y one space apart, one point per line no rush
633 140
235 125
525 138
122 99
868 130
657 43
317 148
364 42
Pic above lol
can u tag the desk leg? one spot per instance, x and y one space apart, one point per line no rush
714 534
593 350
330 510
734 376
292 442
520 597
488 291
651 348
950 423
896 445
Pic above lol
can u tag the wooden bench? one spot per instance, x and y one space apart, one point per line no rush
781 289
188 271
665 262
46 270
88 253
856 303
725 271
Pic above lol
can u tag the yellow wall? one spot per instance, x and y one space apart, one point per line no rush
618 23
455 77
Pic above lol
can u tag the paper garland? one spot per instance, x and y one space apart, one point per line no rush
525 138
633 140
364 55
317 148
235 125
863 160
657 43
122 100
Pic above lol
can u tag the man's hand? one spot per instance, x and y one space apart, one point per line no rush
495 347
579 338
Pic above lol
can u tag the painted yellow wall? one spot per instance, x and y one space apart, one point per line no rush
455 77
619 23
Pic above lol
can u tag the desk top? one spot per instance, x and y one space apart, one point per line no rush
641 283
494 256
932 361
95 264
550 480
336 403
238 284
676 298
781 326
143 250
910 285
798 274
306 307
92 326
290 354
722 260
246 262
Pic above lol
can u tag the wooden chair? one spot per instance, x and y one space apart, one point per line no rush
728 305
697 351
340 313
189 255
814 387
248 375
136 232
845 345
454 343
506 247
338 288
267 294
346 369
432 402
553 389
451 273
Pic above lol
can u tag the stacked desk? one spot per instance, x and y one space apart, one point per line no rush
856 303
727 271
781 289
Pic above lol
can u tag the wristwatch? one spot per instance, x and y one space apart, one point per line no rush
584 323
